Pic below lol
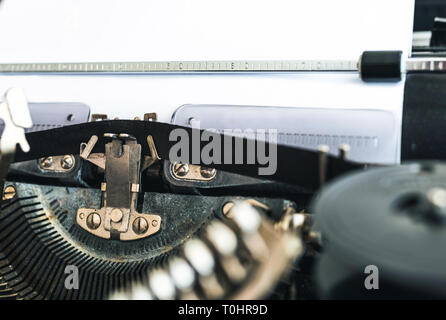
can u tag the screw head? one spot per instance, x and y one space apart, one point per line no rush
9 193
207 172
93 220
116 215
46 162
180 169
140 225
67 162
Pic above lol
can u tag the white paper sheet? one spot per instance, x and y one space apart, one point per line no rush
82 30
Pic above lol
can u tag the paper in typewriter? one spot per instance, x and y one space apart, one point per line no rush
82 30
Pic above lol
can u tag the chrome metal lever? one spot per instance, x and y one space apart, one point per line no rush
15 114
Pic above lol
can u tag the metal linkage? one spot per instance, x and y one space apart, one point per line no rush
118 217
241 257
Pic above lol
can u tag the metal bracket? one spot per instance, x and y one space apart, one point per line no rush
98 117
15 114
57 164
191 172
118 218
97 159
150 160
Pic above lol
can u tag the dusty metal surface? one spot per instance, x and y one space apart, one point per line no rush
39 238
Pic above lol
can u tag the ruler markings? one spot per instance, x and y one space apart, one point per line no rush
189 66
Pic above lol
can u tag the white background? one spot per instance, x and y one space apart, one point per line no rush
85 30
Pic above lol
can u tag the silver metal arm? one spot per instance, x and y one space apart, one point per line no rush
15 114
182 66
425 64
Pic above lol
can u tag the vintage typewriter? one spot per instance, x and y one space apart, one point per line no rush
101 208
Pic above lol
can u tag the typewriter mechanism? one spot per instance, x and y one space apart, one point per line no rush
99 208
116 216
103 198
